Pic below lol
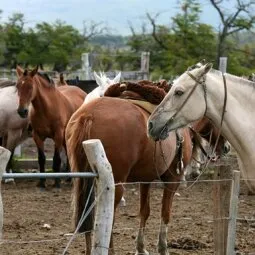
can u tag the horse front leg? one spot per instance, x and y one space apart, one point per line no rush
59 141
41 158
56 166
144 215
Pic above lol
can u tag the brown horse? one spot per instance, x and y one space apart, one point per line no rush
49 109
121 126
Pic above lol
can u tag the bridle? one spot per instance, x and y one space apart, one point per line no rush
202 81
198 82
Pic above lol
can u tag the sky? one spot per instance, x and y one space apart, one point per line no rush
116 14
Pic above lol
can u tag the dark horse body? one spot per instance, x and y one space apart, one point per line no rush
50 109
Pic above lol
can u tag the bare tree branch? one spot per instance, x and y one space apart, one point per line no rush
92 29
216 6
154 30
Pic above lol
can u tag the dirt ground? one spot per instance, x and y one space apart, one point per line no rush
37 222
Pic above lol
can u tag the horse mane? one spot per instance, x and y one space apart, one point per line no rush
234 78
148 90
46 77
8 83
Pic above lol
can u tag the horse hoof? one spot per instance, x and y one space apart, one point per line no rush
122 202
41 186
9 180
144 252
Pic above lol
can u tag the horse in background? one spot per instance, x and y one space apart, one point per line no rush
13 129
48 109
103 83
212 146
61 81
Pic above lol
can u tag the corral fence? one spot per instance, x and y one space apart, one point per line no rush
105 189
87 69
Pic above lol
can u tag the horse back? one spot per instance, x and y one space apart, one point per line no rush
74 95
121 127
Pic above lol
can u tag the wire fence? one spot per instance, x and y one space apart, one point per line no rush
190 227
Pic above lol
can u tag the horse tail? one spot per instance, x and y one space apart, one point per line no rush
76 132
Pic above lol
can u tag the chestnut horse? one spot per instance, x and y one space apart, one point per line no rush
121 127
49 108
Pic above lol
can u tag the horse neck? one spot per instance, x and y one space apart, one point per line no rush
239 115
92 95
44 96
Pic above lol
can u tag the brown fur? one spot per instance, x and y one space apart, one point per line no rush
51 109
121 127
146 89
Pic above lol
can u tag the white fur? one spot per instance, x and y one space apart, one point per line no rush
103 83
238 124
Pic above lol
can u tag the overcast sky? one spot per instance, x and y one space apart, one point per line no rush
115 13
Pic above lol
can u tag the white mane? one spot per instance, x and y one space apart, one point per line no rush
103 83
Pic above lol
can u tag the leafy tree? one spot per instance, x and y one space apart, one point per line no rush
14 38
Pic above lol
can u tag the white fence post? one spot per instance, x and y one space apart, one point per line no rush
145 64
233 206
223 64
85 66
105 196
4 158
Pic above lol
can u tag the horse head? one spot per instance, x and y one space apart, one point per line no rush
25 89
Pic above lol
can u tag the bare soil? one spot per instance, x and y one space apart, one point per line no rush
36 222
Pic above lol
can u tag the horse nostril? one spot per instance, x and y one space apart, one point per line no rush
150 126
22 113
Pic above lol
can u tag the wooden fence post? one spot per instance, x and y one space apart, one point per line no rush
221 194
233 213
105 196
85 66
4 158
145 64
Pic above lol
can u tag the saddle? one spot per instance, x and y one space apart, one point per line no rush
145 94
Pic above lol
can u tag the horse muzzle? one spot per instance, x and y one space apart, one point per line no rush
23 112
157 133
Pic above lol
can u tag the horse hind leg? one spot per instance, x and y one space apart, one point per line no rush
167 200
144 215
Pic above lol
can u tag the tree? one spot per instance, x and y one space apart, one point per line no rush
240 19
14 38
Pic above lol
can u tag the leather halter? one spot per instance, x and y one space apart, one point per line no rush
203 83
198 82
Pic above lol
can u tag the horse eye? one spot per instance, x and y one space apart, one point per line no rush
178 92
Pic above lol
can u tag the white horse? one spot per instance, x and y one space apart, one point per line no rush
13 129
202 91
103 83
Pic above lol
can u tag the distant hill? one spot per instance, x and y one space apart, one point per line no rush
110 41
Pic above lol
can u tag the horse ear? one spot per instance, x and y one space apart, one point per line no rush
203 61
207 67
117 78
98 79
34 71
19 71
